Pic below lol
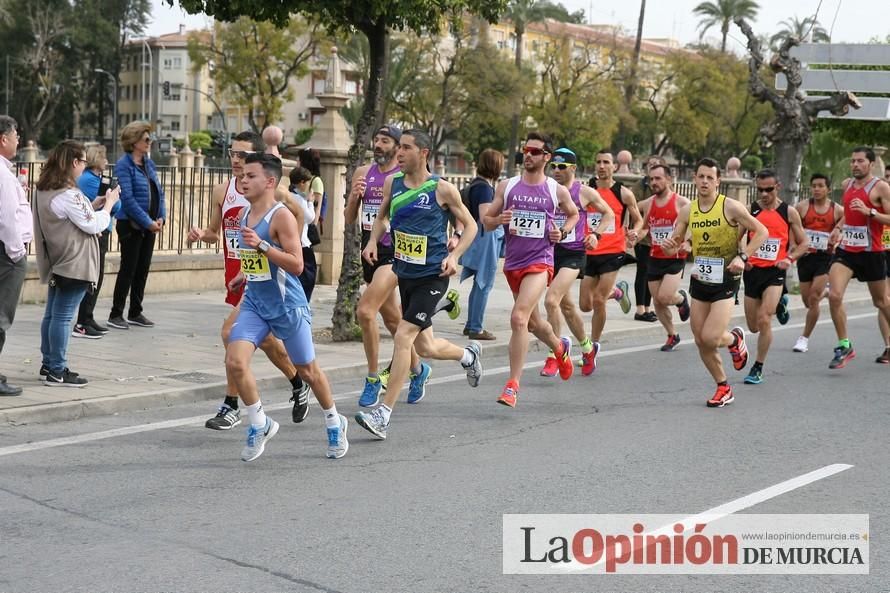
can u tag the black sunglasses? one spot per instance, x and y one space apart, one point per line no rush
766 190
241 154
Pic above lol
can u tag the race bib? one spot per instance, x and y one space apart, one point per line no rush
410 249
528 224
708 269
231 239
818 239
855 236
769 250
593 222
369 215
660 233
560 221
885 238
255 265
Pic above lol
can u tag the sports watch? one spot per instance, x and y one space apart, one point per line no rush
263 247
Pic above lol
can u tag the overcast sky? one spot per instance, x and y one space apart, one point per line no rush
857 20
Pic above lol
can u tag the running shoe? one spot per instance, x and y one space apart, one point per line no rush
722 397
842 356
624 298
566 366
509 394
671 343
453 296
337 443
225 419
64 379
802 344
118 322
738 349
417 385
141 321
782 312
300 397
755 376
256 439
551 367
97 326
884 358
683 308
384 378
86 331
588 360
373 422
371 392
474 370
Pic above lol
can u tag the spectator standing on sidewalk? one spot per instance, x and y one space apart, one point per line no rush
92 187
310 158
139 220
299 186
15 233
481 260
66 233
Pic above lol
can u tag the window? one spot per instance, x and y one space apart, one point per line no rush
168 63
174 125
350 87
177 63
317 86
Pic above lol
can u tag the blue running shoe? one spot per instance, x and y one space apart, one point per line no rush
371 393
256 439
782 312
755 377
417 385
337 443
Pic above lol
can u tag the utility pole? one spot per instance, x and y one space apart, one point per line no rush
114 108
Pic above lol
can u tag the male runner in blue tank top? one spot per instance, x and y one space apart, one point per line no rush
416 205
271 256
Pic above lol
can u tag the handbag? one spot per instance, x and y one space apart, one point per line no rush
312 234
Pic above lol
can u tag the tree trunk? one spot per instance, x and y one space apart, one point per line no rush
789 157
514 121
343 319
631 86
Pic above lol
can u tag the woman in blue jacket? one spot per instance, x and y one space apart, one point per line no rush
140 218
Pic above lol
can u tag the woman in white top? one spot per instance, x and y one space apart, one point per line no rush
299 185
66 233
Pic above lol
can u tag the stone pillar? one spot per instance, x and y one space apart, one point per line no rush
633 182
737 188
332 140
174 158
29 153
199 159
186 157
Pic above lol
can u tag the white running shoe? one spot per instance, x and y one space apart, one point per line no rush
802 345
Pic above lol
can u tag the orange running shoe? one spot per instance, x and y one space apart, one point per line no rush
551 367
738 349
566 366
722 397
509 394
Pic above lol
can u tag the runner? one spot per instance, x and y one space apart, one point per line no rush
417 204
765 271
568 257
884 357
380 293
271 257
528 204
227 203
861 251
659 212
603 262
820 216
715 222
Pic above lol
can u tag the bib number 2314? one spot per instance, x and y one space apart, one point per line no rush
410 248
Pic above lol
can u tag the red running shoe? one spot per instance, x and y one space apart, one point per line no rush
722 397
588 360
509 394
566 366
551 367
738 349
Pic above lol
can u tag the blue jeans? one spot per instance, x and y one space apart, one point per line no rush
55 330
478 301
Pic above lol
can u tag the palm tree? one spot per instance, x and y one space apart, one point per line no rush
521 13
808 30
722 12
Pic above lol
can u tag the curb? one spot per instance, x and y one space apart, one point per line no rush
147 400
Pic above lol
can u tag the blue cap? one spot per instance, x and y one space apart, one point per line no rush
390 130
564 155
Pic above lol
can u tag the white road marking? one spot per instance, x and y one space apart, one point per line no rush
199 420
739 504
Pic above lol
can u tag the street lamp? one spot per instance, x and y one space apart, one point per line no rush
114 108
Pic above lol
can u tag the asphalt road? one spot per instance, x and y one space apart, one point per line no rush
162 504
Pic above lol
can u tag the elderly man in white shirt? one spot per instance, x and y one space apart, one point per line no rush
16 231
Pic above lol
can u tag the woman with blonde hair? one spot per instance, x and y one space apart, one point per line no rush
139 220
65 233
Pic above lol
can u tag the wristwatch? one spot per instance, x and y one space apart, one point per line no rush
458 234
597 234
563 234
872 213
263 247
743 256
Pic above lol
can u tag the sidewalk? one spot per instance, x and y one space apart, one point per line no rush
181 359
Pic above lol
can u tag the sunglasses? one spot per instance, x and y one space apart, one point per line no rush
766 190
533 151
561 166
241 154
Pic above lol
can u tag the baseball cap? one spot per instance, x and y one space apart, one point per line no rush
564 155
390 130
